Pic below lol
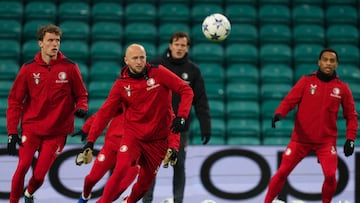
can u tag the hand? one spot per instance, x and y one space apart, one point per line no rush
178 125
12 140
80 113
82 133
276 118
85 156
171 156
205 138
349 147
88 145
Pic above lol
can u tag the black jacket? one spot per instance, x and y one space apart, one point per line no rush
189 72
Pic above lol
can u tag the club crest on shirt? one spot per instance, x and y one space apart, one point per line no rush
336 93
123 148
62 78
101 157
313 89
287 151
36 77
185 77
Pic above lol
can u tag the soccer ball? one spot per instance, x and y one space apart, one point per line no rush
216 27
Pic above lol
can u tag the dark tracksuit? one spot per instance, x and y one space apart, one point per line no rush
189 72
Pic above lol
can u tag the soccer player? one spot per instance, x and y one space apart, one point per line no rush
46 94
176 59
146 92
317 97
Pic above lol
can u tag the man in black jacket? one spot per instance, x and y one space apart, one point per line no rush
176 59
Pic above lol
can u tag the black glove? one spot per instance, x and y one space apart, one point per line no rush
80 113
82 133
349 147
276 118
89 145
12 140
205 138
178 125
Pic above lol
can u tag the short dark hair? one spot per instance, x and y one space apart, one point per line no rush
51 28
329 50
178 35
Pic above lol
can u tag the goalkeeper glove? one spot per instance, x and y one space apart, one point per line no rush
85 156
276 118
80 113
178 124
12 140
170 157
349 147
81 133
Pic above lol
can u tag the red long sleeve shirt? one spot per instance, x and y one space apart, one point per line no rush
317 105
45 96
147 101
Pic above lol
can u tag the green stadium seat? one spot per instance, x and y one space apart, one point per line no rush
140 32
274 91
341 14
76 11
237 72
217 109
274 13
275 53
10 29
11 10
108 31
171 12
218 131
242 91
95 104
200 11
75 50
29 49
309 2
307 14
38 10
105 51
243 131
207 52
268 108
31 27
107 12
348 53
8 69
3 106
75 30
99 89
3 130
348 72
166 30
283 129
309 33
306 53
276 141
241 53
5 87
197 36
104 71
140 12
337 34
355 88
243 33
215 90
244 2
304 69
275 33
241 14
276 73
212 72
151 50
10 49
242 109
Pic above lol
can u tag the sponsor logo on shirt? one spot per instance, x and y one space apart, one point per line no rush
335 93
101 157
123 148
62 78
151 83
